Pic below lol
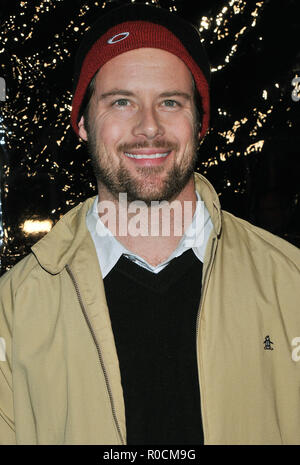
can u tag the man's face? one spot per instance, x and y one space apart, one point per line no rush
141 129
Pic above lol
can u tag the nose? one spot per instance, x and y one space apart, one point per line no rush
148 123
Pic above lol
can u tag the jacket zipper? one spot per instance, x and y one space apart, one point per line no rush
99 352
198 322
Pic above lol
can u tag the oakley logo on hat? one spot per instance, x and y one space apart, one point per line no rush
118 37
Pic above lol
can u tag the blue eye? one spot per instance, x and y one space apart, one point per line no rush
171 103
121 102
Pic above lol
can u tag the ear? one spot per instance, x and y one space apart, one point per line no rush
200 135
82 131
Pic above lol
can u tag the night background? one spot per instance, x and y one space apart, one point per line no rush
250 155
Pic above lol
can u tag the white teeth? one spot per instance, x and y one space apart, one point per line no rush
139 157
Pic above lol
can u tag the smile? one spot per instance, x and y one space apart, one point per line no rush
147 156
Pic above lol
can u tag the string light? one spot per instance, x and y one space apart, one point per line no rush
220 24
36 226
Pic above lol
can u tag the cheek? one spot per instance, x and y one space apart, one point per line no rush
183 129
109 131
182 119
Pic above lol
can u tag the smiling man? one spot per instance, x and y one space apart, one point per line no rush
141 126
142 134
114 331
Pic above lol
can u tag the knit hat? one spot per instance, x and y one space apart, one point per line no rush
135 26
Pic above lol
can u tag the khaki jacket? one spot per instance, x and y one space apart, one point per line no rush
59 372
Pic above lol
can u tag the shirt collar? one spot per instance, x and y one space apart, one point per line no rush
109 249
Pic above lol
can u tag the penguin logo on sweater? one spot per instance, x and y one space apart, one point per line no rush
267 343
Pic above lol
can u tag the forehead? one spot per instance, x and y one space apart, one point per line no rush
145 67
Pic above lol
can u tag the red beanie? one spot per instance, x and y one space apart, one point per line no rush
111 36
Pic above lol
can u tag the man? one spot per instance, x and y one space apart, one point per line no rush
114 337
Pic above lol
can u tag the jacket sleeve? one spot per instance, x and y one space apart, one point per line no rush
7 427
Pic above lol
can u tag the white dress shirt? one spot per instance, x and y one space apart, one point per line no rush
109 249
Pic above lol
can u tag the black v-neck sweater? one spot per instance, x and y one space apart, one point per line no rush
154 324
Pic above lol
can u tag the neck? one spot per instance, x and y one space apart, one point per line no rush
152 232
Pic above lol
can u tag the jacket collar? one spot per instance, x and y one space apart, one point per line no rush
211 200
57 248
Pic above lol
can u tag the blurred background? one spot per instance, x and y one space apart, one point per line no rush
251 153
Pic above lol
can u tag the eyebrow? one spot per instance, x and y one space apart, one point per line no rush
114 92
176 93
128 93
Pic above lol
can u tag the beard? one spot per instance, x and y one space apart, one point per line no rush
147 185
